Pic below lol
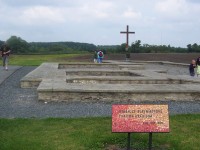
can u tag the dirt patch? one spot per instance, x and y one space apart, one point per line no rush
173 57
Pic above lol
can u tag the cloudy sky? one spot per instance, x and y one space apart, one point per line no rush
174 22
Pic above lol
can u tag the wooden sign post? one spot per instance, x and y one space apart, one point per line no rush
140 119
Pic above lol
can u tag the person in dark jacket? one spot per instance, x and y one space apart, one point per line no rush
5 52
191 68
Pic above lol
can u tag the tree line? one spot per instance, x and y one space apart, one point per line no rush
20 46
193 48
137 47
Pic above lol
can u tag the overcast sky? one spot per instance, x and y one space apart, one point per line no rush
174 22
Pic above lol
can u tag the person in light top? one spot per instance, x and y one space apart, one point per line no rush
198 66
100 56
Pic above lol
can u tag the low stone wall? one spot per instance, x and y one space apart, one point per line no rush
128 81
115 97
27 83
100 73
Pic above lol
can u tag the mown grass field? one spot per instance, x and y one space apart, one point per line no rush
172 57
93 134
35 60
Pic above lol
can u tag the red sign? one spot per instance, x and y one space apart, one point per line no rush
140 118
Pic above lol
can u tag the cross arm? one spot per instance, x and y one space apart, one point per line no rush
128 32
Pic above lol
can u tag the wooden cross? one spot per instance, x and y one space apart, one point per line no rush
127 35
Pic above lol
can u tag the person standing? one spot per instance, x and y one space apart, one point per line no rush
5 52
95 56
100 56
198 66
191 68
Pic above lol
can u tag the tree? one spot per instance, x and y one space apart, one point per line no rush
137 44
195 47
189 48
121 48
17 44
135 47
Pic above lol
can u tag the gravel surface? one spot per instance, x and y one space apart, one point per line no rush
6 73
22 103
171 70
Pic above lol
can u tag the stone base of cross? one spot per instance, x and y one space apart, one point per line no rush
128 55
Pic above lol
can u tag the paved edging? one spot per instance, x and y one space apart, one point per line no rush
163 63
6 74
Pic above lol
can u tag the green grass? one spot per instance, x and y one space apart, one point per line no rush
35 60
92 134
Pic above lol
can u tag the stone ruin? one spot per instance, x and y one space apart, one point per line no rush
112 82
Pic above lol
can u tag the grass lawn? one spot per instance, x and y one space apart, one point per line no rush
35 60
93 134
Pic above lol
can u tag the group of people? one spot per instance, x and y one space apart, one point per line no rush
5 52
195 64
98 56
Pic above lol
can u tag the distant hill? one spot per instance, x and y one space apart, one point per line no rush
108 46
62 47
20 46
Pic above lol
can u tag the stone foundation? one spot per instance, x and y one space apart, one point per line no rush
110 82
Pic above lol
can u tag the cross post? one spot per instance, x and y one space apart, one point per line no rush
127 32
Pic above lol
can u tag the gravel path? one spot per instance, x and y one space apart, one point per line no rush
5 74
22 103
